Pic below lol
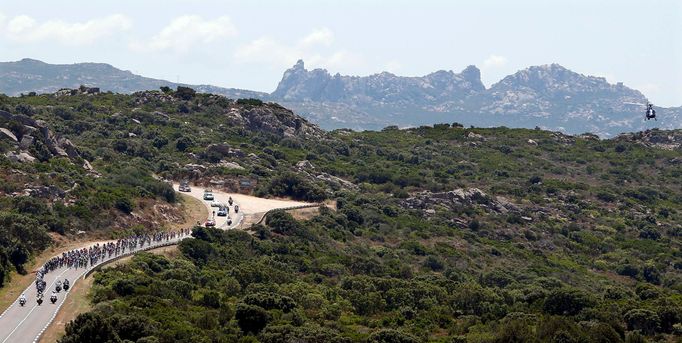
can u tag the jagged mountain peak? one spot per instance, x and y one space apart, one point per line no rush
300 84
555 78
300 65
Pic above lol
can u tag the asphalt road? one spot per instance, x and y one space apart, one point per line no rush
221 222
25 324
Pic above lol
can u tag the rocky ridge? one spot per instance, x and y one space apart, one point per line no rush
30 135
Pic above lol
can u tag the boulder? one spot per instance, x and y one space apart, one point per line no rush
195 167
475 136
87 166
44 192
459 197
305 164
26 142
22 157
222 148
161 114
8 134
230 165
69 147
334 180
235 153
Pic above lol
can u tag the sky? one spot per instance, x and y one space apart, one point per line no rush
249 44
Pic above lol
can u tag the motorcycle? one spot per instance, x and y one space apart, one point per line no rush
22 302
66 286
39 298
58 288
53 299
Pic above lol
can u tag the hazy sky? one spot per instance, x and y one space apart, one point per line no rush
248 44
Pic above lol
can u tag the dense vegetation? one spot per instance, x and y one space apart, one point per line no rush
547 237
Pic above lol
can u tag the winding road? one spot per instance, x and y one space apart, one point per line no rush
20 324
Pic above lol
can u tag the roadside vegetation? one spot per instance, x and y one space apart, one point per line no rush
441 234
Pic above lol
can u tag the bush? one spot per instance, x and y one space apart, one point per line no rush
90 327
643 320
185 93
250 318
566 302
250 101
183 143
391 336
124 204
283 223
270 301
294 186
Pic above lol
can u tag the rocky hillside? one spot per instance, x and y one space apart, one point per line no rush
31 139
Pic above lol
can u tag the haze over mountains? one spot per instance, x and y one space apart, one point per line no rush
548 96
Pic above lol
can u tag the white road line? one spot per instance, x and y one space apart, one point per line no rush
34 307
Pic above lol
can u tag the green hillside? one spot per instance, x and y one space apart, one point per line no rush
439 234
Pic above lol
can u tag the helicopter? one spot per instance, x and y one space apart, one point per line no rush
650 112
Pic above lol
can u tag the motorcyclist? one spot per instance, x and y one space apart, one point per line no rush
66 284
39 298
53 297
58 287
22 299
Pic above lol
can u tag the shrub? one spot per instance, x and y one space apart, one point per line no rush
90 327
566 302
270 301
293 185
643 320
391 336
250 318
183 143
250 101
185 93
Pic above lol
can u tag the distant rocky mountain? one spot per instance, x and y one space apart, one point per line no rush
299 84
548 96
29 75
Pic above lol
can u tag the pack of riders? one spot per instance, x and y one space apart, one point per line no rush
82 258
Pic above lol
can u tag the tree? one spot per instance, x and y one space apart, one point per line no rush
185 93
132 327
183 143
283 223
90 327
250 318
566 302
197 250
391 336
270 301
643 320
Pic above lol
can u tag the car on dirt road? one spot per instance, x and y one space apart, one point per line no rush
208 194
209 223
